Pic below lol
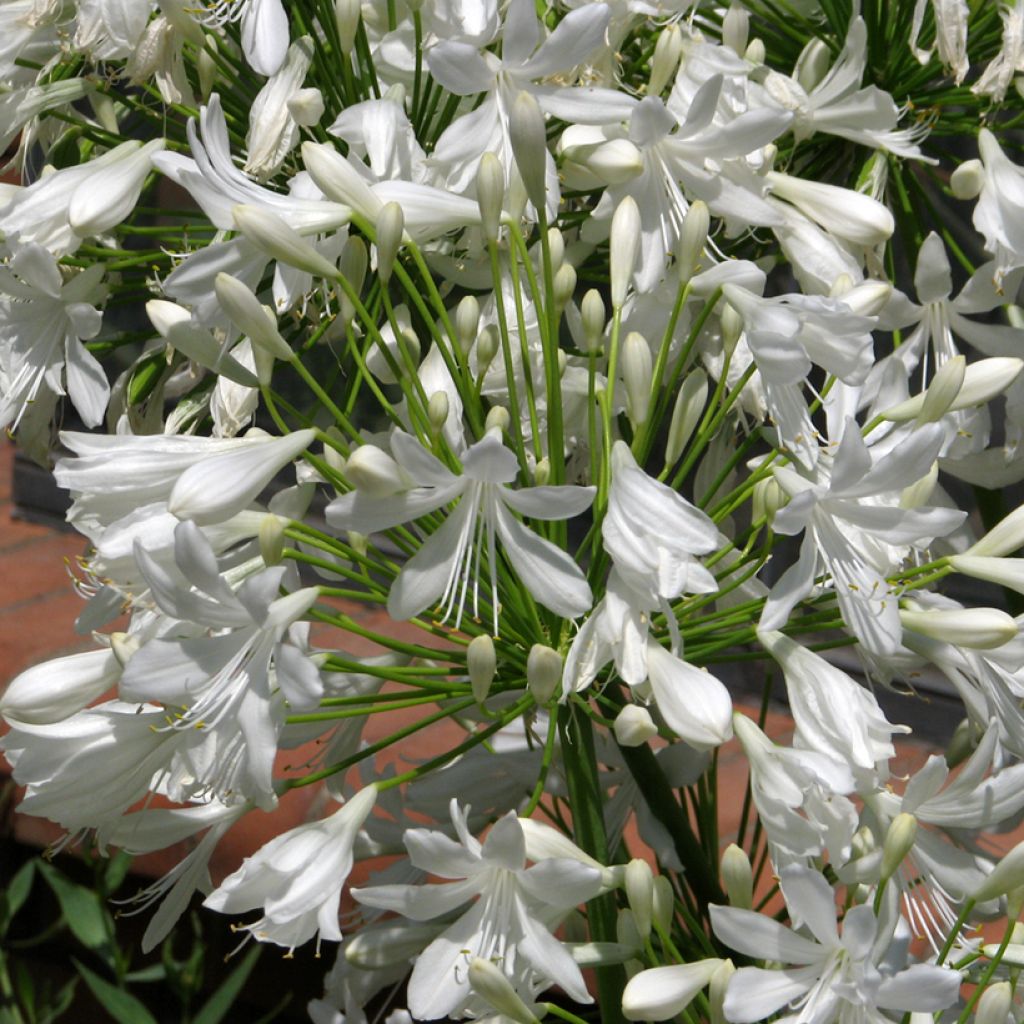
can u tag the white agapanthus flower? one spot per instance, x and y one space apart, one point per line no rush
510 921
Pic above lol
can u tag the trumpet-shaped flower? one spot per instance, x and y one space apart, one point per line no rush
449 559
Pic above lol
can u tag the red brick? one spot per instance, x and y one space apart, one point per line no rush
36 630
36 569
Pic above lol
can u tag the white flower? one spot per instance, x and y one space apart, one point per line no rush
950 37
297 878
510 922
264 29
835 978
441 571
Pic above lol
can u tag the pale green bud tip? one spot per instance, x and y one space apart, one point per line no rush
667 52
271 538
490 983
692 240
593 317
306 107
1004 538
978 628
123 646
437 409
274 237
982 381
812 64
481 664
623 247
639 881
736 29
664 902
490 194
637 372
732 327
543 672
250 316
634 726
943 390
564 284
1008 874
529 146
995 1004
498 419
346 16
1007 572
967 180
717 988
737 877
899 841
542 474
686 414
390 228
467 321
373 472
487 347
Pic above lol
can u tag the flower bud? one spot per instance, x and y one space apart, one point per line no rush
962 743
756 52
640 893
486 347
1006 875
489 982
686 414
437 409
346 17
662 993
899 841
977 628
863 843
668 51
967 180
564 285
624 244
767 499
637 371
94 208
56 689
593 317
942 391
692 240
271 539
274 237
306 107
613 162
122 646
497 419
920 491
209 73
995 1004
717 988
983 380
626 931
390 227
556 247
1007 572
542 472
352 267
529 146
634 726
732 327
737 877
375 473
1004 538
736 29
482 664
543 672
490 194
467 321
250 316
663 904
812 64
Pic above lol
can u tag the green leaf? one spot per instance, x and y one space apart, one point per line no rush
59 1002
15 895
83 911
221 1000
117 868
154 972
122 1006
146 376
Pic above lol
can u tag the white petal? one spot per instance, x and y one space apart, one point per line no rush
694 703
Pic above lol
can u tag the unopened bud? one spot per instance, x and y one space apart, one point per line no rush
967 180
732 328
375 473
271 235
497 419
920 491
556 247
390 228
593 317
487 347
564 285
529 146
995 1004
1004 538
667 52
489 982
490 194
634 726
863 843
812 64
977 628
686 414
624 244
737 877
640 893
542 472
768 498
663 903
271 538
962 743
1007 572
543 672
613 162
346 17
1006 875
352 267
899 841
482 664
358 542
736 29
251 317
692 240
983 380
662 993
943 389
467 321
717 988
756 52
626 932
637 371
306 107
123 646
437 409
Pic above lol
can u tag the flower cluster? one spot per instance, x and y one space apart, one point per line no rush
538 329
